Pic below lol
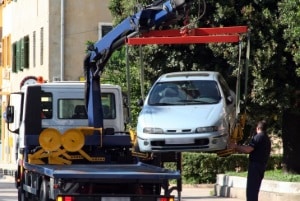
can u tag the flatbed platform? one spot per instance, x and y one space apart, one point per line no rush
138 171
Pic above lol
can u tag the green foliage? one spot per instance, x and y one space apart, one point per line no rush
290 18
275 162
204 167
116 73
274 57
121 9
277 175
271 76
274 66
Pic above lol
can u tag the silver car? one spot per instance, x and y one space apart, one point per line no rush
187 111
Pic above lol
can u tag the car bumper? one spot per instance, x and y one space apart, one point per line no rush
204 142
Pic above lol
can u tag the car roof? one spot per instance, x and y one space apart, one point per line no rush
189 75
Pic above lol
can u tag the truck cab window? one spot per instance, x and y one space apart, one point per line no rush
108 105
71 109
75 108
47 106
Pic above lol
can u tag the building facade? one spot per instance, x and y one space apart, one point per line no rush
45 38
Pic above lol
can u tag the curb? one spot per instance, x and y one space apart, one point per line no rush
233 186
198 186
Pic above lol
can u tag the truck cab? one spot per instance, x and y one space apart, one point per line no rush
61 158
63 104
60 105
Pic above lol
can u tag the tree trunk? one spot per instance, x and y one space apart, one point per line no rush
291 140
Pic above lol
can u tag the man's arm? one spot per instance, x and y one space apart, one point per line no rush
246 149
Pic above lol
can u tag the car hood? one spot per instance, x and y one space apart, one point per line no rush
187 116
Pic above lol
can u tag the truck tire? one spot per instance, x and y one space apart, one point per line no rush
21 194
44 191
17 183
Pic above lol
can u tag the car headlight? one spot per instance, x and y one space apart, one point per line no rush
153 130
207 129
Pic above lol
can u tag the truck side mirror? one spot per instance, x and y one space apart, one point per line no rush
9 114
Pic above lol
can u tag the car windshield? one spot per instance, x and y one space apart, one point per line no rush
185 92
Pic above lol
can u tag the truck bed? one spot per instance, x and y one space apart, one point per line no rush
139 171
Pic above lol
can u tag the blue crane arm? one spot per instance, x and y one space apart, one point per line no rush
153 15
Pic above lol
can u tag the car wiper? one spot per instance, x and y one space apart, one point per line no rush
194 101
160 104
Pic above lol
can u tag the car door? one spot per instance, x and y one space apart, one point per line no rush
230 106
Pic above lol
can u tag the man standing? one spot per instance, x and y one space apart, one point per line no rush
259 149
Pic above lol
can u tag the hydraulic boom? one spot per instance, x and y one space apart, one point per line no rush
156 14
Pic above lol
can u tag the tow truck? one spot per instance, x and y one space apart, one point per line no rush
63 158
86 158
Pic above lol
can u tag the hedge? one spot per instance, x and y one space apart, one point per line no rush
199 168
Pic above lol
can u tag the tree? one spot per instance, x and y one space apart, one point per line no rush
289 15
116 73
290 18
273 66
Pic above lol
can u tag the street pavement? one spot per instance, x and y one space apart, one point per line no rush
8 191
203 192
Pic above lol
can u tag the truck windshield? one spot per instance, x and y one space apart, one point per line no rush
185 92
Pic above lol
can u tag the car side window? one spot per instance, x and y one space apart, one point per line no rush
225 89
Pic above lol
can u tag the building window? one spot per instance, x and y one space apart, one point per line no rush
14 59
26 52
42 46
33 47
20 58
4 2
18 55
6 51
103 29
21 54
47 106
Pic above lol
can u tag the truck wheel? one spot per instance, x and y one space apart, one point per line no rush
21 194
17 183
44 191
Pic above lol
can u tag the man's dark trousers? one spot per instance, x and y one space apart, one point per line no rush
255 175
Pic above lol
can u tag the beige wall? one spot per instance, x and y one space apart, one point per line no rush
81 19
80 25
23 17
